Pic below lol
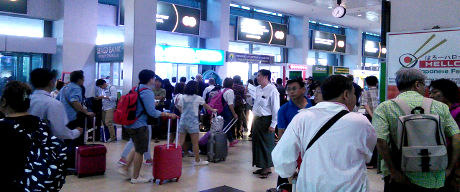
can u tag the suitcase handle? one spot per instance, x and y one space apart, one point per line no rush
169 131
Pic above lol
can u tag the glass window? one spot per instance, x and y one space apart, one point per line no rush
165 38
116 74
37 61
25 69
371 64
268 50
109 35
237 68
322 58
238 47
17 26
164 70
104 70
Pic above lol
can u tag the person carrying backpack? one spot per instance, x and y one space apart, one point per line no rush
224 103
132 111
415 157
34 158
240 94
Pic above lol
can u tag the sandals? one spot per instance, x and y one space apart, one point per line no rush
259 171
264 175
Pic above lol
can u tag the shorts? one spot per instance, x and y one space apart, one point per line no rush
189 128
140 137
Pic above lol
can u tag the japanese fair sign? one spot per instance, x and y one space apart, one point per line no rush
436 53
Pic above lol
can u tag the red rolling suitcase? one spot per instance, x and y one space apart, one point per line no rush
90 159
167 160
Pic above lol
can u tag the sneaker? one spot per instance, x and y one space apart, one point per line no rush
123 172
148 162
141 179
122 161
201 163
190 154
157 141
110 140
233 143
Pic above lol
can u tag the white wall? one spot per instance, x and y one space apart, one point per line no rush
44 9
219 14
299 30
107 15
30 44
410 15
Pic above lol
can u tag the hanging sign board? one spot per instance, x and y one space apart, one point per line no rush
259 31
13 6
325 41
110 52
434 52
249 58
186 55
341 70
373 49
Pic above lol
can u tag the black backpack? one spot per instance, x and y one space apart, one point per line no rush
44 166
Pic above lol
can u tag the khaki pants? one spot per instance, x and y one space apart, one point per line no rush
107 117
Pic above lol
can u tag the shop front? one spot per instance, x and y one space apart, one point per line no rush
298 71
109 63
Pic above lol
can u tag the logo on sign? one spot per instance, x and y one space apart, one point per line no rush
279 35
409 60
189 21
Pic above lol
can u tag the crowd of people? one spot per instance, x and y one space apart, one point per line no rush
305 129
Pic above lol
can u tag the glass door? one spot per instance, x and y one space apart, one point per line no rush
17 66
112 73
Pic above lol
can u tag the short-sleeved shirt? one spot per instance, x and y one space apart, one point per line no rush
288 111
148 98
68 94
190 107
386 118
370 98
229 96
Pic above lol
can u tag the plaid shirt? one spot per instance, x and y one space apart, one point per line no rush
386 118
370 98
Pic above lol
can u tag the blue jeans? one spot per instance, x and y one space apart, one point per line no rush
129 146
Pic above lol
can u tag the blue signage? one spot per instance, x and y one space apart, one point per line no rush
249 58
110 52
186 55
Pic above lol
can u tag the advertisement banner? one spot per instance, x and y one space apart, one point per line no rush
186 55
172 18
328 42
110 52
373 49
259 31
13 6
249 58
341 70
435 53
179 19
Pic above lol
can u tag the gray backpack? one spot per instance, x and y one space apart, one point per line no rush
419 139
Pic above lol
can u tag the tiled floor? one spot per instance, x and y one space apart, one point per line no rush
236 172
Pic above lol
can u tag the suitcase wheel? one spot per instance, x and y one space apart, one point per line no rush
161 182
177 180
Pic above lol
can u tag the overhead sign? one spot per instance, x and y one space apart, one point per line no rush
250 58
341 70
172 18
175 18
110 53
261 31
373 49
186 55
434 52
13 6
298 67
320 72
328 42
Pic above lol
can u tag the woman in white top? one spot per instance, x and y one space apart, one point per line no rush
188 105
59 85
229 112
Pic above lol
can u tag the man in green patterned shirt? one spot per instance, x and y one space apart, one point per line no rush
411 85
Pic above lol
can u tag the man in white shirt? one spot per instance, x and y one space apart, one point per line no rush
212 85
46 107
265 109
108 94
337 160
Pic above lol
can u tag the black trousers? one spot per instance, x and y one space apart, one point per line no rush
73 143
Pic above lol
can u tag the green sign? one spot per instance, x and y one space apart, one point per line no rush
17 6
341 71
321 72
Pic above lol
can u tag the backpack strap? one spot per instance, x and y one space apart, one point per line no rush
403 106
326 127
427 105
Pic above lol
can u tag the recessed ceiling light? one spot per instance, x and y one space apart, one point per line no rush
360 15
330 7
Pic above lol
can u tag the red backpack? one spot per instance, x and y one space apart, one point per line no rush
217 102
125 114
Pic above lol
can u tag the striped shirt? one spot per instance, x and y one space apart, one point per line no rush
370 98
386 119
